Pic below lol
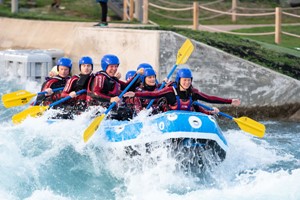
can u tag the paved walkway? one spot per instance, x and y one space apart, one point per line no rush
210 28
221 28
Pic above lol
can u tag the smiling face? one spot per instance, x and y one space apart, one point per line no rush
150 80
63 71
112 70
185 83
86 69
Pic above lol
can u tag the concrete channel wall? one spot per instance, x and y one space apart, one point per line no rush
215 72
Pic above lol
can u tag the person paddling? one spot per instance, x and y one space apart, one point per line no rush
78 82
149 84
105 87
64 67
180 95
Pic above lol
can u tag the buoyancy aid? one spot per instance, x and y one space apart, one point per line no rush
180 103
102 83
76 83
144 101
53 83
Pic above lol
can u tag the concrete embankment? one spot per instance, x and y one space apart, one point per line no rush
215 72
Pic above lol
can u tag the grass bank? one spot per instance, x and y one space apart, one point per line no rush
283 58
247 49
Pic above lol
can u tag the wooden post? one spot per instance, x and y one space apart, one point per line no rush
145 12
124 10
196 16
278 25
233 7
14 6
131 9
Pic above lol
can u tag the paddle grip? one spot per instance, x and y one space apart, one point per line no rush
209 108
121 95
162 85
66 98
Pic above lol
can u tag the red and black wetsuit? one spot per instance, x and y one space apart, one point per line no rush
102 87
181 100
138 103
77 83
53 83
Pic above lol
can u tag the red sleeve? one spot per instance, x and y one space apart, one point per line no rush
197 95
69 85
98 87
202 110
49 83
155 94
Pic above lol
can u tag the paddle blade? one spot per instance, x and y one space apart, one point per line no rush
17 98
33 111
184 52
251 126
89 132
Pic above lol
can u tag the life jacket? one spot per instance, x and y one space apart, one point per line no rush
53 83
180 103
145 102
111 88
77 83
134 103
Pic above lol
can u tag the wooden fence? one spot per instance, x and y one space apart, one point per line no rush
196 8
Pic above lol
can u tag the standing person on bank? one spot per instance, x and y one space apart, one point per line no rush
103 4
56 4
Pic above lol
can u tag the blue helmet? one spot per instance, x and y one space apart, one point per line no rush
63 61
183 73
85 60
145 66
109 59
130 74
148 72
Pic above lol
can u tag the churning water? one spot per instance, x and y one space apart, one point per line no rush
39 160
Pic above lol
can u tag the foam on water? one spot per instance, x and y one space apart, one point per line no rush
50 161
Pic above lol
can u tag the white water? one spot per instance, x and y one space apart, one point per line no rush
50 161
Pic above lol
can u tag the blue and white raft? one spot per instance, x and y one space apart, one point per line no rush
194 131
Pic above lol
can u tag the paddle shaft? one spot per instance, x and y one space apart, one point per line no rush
54 90
163 84
35 111
245 123
65 99
121 95
45 92
182 55
30 95
90 130
209 108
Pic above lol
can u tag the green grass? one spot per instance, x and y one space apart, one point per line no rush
75 10
289 42
182 16
257 52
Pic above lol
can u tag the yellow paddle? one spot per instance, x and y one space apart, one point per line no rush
90 130
182 55
21 97
36 111
245 123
